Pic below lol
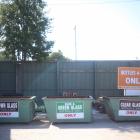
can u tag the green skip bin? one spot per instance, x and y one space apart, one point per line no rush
14 109
123 108
69 109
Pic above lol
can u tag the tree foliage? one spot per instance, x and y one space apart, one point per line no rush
23 29
57 56
2 56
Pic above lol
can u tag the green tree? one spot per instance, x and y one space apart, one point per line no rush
57 56
2 56
23 29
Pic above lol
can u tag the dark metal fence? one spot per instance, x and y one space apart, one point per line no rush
95 78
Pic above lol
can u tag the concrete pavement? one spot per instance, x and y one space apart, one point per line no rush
102 128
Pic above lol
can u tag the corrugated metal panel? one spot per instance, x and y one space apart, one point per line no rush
77 77
40 93
77 81
77 66
110 66
7 78
135 63
106 77
39 79
108 92
8 81
106 80
7 67
35 67
78 92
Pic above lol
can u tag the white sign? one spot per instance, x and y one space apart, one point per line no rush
70 115
131 92
129 113
129 108
70 110
9 109
9 114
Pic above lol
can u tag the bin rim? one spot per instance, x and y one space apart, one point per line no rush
67 97
108 97
18 97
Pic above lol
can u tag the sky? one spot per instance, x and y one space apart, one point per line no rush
105 29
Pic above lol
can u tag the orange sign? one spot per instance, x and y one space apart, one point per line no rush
129 78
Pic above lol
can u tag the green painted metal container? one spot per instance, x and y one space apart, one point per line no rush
16 109
123 108
69 109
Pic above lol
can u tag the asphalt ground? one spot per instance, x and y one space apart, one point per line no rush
102 128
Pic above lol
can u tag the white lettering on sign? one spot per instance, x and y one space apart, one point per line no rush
77 107
12 105
125 104
127 72
63 107
132 80
136 105
2 105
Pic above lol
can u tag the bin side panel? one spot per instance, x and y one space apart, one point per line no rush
123 108
23 113
68 110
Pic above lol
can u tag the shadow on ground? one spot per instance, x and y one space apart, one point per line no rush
102 121
37 123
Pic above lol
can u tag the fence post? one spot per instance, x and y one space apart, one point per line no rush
18 78
58 78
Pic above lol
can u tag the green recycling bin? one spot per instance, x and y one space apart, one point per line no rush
69 109
14 109
123 108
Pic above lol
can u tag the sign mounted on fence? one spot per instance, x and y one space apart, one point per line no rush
129 78
70 110
9 109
